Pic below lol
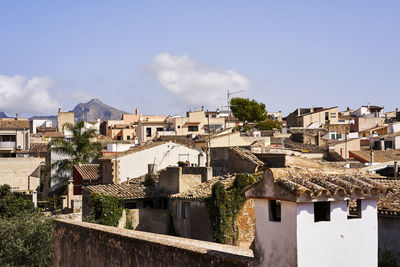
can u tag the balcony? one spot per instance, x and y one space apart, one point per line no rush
7 145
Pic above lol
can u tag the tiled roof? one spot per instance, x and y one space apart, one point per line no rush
203 190
379 155
308 131
88 171
11 123
247 155
306 184
134 150
38 147
390 204
53 134
123 191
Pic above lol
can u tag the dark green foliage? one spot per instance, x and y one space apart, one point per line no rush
106 210
388 259
171 227
26 235
268 124
128 223
248 110
80 150
26 240
12 204
225 204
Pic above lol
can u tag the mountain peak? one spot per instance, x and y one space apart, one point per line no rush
95 109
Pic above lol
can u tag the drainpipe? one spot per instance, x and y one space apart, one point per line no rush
396 169
371 156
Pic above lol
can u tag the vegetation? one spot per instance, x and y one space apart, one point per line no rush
268 124
79 150
388 259
128 223
26 235
106 210
224 206
247 110
149 181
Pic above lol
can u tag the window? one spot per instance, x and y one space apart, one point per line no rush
338 136
148 132
179 126
274 210
128 137
213 116
333 115
322 211
119 137
160 129
148 204
333 136
326 116
185 210
354 209
193 128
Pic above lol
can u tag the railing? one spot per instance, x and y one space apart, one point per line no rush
7 144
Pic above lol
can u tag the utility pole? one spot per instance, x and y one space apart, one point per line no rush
209 141
229 108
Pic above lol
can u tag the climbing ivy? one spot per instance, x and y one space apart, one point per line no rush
106 210
224 206
128 223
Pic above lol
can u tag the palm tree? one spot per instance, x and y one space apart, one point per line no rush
78 150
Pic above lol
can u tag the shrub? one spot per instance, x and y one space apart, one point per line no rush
128 223
106 210
268 124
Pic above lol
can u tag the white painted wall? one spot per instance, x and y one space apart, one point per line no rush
119 147
339 242
168 154
394 128
37 123
276 241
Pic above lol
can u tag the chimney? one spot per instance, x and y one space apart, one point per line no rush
202 108
59 109
348 109
372 159
397 109
396 169
16 116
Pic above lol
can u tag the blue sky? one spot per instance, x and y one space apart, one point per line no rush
170 56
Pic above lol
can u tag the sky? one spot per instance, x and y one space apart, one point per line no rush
166 57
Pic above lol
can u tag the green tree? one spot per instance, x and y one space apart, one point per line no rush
26 235
268 124
247 110
79 150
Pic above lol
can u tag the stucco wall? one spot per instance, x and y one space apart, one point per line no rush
340 241
275 241
150 220
87 244
16 171
136 164
388 234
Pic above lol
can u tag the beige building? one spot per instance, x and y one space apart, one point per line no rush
20 174
313 117
63 118
148 130
14 136
343 147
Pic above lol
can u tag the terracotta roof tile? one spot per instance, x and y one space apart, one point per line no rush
123 191
11 123
88 171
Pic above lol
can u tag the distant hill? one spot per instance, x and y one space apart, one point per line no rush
3 115
95 109
90 111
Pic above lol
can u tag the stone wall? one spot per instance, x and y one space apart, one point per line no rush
86 244
225 160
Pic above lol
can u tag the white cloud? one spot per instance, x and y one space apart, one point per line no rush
18 94
196 84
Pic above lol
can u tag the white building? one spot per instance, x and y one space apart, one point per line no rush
39 123
119 167
303 218
369 111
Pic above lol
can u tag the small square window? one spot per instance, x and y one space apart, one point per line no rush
274 210
322 211
354 209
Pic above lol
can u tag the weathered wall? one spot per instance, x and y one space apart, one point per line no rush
85 244
246 224
150 220
224 160
16 171
388 234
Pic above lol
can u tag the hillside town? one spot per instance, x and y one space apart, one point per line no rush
243 186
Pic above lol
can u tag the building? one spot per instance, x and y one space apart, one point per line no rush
374 156
369 111
308 217
344 146
149 130
84 175
363 123
64 118
14 137
39 123
312 117
120 167
385 142
21 174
